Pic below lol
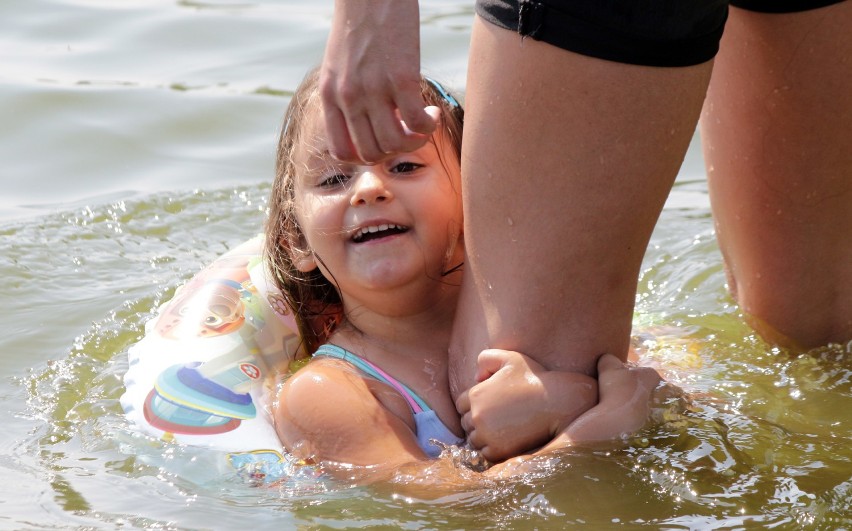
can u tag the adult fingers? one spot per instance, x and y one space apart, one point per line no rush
395 134
363 137
339 140
389 133
420 121
409 100
369 135
363 125
347 124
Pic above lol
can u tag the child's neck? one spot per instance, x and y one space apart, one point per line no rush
407 331
401 326
410 342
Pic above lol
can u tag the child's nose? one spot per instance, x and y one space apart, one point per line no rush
369 188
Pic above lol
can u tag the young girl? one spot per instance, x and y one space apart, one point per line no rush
370 258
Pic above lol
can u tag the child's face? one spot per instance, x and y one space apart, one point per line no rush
383 226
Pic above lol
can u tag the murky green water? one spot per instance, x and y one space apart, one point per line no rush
137 145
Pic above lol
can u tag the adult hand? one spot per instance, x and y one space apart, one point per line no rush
370 80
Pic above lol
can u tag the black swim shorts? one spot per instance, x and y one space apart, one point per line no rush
642 32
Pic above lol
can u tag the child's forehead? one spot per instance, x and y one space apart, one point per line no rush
313 141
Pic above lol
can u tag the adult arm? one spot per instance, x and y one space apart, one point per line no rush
370 80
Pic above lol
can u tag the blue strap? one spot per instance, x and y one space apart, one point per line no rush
333 351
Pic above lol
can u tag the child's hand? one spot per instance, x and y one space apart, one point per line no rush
623 407
519 405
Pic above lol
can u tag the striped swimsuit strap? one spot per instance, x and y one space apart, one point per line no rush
333 351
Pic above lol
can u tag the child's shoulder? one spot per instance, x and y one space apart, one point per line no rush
328 411
323 392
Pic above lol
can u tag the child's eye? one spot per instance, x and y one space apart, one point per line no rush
332 181
405 167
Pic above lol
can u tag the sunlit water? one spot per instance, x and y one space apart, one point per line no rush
137 147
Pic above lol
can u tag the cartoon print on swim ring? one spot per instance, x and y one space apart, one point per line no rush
206 368
210 397
223 289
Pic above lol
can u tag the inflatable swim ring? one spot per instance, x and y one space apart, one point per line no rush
205 370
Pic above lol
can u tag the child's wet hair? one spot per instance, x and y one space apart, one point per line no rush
311 297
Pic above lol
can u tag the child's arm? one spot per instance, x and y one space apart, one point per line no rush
326 412
623 407
519 405
625 398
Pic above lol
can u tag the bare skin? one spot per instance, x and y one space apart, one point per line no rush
371 71
777 128
330 413
558 208
568 160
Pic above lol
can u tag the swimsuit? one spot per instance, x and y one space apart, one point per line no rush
429 426
646 32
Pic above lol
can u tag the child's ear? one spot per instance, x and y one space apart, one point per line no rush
303 259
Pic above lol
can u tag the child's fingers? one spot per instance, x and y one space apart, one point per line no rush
467 423
608 363
494 454
477 442
463 403
489 362
649 377
612 371
488 451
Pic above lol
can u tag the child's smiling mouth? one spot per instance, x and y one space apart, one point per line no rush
373 232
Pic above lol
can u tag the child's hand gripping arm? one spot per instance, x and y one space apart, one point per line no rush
623 407
518 405
530 406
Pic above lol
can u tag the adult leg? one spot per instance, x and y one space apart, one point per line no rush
566 164
777 131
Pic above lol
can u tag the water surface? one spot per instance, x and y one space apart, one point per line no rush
137 146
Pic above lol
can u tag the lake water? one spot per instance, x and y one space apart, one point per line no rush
137 146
